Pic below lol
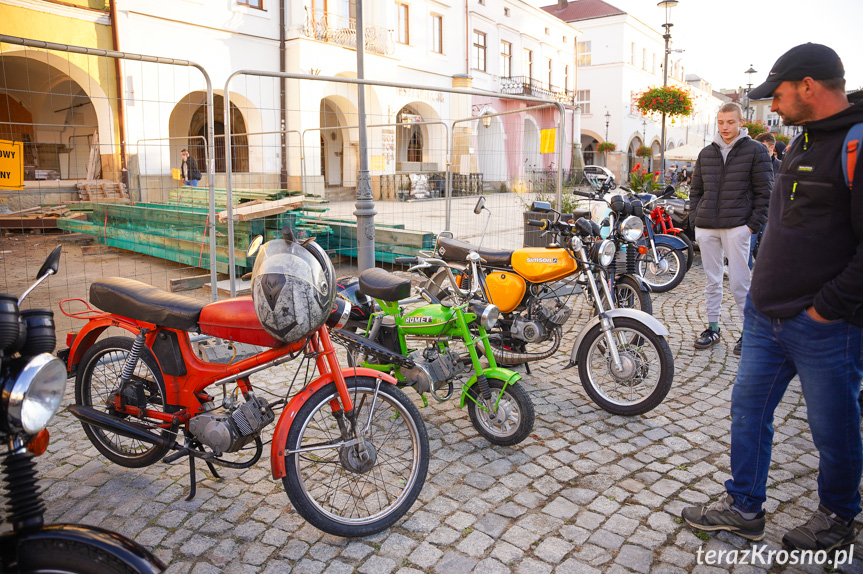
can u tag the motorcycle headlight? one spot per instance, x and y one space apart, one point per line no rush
605 252
669 209
631 229
488 314
575 243
32 392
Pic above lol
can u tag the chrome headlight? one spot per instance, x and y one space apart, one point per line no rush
488 314
631 229
605 253
576 243
669 209
33 393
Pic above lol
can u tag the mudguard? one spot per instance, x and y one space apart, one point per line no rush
669 241
638 280
283 426
650 321
135 556
507 376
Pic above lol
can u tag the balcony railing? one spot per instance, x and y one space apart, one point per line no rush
342 31
524 86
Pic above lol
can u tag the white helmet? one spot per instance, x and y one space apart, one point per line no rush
293 287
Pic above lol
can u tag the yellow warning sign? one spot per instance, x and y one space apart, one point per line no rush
548 141
11 165
175 174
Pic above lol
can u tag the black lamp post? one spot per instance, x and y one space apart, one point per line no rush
749 73
607 119
668 5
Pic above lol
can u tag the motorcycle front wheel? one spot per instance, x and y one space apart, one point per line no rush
98 380
666 273
645 378
628 295
513 419
333 487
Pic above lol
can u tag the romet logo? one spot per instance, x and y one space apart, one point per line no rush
541 259
418 319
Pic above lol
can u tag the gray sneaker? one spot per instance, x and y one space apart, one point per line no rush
824 531
721 516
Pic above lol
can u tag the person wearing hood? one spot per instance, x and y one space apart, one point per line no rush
728 197
804 314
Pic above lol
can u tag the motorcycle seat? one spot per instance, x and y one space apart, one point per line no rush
143 302
454 250
383 285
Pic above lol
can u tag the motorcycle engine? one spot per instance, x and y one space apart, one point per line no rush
431 369
229 428
547 316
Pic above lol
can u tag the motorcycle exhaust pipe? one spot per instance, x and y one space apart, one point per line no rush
128 429
504 357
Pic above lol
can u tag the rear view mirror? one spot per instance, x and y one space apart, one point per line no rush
669 191
480 204
540 206
255 245
52 263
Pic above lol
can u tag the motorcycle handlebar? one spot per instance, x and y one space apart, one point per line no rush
586 194
406 260
537 222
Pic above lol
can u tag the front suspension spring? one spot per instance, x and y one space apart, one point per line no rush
484 390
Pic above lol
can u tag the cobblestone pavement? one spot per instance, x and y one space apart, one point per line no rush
587 492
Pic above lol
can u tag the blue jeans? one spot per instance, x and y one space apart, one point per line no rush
829 359
753 241
192 182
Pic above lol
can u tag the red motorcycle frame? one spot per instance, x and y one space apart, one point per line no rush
186 378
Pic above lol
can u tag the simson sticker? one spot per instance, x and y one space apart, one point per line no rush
541 260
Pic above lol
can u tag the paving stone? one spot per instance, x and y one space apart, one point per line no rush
635 558
552 550
454 563
425 555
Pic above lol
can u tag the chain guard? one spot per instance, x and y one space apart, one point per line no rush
359 344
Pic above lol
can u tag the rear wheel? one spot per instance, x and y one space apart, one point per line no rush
333 487
97 382
629 295
510 422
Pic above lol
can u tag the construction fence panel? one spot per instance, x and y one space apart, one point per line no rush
101 134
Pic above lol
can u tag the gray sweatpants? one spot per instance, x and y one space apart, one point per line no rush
715 245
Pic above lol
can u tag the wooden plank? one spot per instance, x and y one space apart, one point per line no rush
94 155
245 212
224 287
189 283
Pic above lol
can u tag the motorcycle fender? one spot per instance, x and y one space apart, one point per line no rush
508 377
650 321
90 333
669 241
129 552
638 280
283 426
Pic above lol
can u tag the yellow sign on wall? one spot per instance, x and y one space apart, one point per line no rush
11 165
548 141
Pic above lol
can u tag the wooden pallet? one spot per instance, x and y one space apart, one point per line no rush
100 190
42 217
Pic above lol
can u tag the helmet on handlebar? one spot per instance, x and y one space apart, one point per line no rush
293 288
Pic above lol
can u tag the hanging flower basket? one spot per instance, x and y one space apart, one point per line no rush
671 100
606 147
755 127
643 151
782 138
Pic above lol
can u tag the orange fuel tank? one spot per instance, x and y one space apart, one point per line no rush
506 290
540 264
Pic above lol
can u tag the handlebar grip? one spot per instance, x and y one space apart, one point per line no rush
624 188
405 260
582 193
537 222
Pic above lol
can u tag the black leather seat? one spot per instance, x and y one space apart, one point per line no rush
455 250
143 302
383 285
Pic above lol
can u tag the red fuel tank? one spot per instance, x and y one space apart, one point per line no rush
235 320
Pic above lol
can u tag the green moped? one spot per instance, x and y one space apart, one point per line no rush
422 347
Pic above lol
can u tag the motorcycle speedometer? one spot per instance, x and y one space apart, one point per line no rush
32 391
631 229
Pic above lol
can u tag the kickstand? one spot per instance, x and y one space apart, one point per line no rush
192 478
527 368
213 470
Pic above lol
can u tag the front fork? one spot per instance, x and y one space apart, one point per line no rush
606 324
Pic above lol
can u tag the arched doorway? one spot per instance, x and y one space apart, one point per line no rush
410 140
239 143
632 157
531 145
491 152
588 146
332 144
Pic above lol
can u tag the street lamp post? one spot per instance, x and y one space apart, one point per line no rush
607 119
668 5
749 73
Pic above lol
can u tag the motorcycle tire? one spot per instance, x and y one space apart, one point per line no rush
629 295
516 408
652 274
355 502
97 377
648 365
68 557
690 249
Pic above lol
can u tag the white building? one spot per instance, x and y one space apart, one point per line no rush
618 58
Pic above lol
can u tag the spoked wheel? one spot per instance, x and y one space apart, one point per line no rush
666 273
96 384
628 295
509 417
646 374
346 492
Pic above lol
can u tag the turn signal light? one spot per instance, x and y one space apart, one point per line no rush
39 443
642 249
70 338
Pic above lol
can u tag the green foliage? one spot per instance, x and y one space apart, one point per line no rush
606 146
643 151
671 100
782 138
755 127
643 181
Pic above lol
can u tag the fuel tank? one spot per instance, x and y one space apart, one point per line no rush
540 264
235 320
429 320
504 289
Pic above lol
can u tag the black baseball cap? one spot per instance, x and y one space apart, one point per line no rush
810 60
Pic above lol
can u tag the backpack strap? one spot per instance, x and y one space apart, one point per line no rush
850 151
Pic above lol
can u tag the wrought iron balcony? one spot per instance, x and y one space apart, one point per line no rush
524 86
342 31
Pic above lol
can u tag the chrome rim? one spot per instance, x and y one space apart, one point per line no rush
641 373
505 420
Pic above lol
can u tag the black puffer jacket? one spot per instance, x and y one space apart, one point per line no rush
731 193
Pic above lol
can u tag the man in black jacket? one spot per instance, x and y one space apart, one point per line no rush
728 203
189 169
804 315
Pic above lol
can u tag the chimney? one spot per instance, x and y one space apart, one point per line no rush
561 4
